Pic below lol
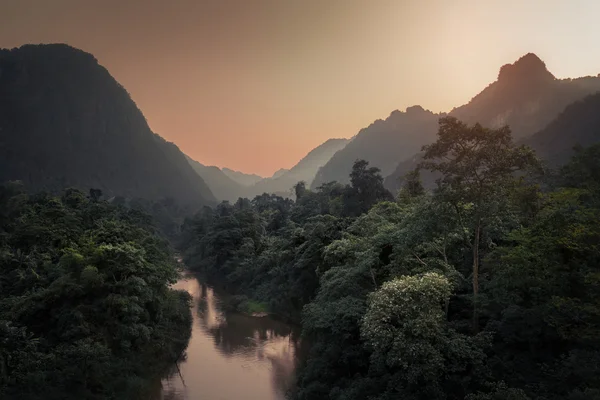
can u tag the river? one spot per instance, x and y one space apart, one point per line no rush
231 356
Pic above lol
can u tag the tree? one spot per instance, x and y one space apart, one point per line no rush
478 167
300 189
85 303
366 189
412 186
405 325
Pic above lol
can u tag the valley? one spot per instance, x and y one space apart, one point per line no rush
428 256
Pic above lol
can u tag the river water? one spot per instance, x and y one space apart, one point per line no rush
231 356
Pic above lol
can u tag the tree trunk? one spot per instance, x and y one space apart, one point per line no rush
373 277
476 277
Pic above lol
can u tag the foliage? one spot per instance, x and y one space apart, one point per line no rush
478 169
384 287
85 306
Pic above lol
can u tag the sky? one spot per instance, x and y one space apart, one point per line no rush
254 85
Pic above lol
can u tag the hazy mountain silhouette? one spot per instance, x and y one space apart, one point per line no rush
383 144
577 125
241 177
221 185
526 96
279 172
65 121
305 170
226 188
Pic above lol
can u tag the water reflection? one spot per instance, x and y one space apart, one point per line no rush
231 356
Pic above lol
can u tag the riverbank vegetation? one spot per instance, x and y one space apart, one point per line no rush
485 288
86 311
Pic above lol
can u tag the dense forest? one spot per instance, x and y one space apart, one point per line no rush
486 287
468 271
86 311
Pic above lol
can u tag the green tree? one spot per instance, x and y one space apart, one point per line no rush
366 188
479 169
405 325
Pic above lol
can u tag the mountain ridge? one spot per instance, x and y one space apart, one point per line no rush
241 177
381 144
526 96
305 170
66 121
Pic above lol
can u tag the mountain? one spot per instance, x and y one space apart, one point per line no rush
577 125
279 172
221 185
65 121
305 170
383 144
526 97
242 178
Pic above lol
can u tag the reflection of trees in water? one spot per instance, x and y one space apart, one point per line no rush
262 339
283 366
172 394
235 333
243 334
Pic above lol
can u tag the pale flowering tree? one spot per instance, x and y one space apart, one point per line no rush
406 328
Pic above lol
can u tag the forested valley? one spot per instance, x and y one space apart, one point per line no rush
486 287
432 256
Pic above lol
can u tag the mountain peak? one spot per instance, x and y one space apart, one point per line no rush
525 69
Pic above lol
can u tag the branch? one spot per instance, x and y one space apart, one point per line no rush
419 259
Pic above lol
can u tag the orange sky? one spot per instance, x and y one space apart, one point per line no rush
255 84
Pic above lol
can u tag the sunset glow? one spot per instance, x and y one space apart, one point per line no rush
227 80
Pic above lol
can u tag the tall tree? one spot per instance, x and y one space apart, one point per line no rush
479 169
367 188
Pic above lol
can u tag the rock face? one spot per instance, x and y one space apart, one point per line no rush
65 121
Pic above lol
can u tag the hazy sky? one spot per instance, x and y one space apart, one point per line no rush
255 84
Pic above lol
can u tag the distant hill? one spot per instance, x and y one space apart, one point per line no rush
242 178
526 96
221 185
279 172
305 170
578 124
226 188
383 144
65 121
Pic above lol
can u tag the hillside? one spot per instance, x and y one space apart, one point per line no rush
526 96
221 185
577 125
65 121
305 170
383 144
241 177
